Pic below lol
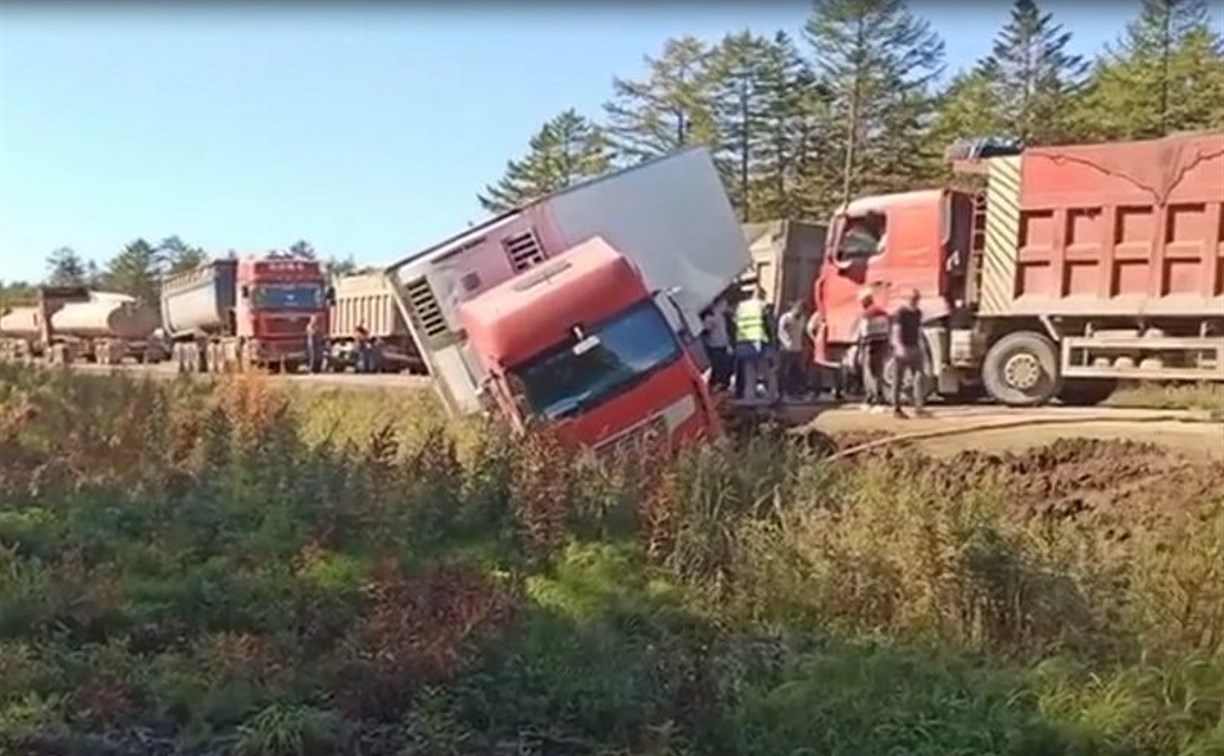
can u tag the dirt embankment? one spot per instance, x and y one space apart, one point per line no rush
1117 486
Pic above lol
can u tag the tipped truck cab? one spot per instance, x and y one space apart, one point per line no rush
582 343
661 236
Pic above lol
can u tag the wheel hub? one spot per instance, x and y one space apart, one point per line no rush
1022 371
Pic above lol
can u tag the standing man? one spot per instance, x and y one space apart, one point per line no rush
871 345
821 366
365 351
316 345
791 343
751 343
907 353
716 334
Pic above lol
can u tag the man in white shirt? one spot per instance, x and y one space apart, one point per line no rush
716 334
791 348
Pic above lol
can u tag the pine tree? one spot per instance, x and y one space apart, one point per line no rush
338 267
136 271
1165 74
739 105
66 268
178 255
1034 77
969 107
302 250
794 158
879 62
565 151
669 109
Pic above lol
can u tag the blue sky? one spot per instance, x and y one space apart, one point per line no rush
367 131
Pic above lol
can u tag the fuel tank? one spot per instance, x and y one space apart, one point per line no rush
19 323
105 318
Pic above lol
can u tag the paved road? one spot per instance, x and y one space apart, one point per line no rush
1183 430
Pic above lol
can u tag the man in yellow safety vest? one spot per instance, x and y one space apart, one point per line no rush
752 344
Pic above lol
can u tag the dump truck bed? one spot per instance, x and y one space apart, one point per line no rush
366 299
1118 229
199 300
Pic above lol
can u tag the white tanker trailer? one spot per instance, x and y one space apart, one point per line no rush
99 326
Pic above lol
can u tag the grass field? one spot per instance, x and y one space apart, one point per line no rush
188 568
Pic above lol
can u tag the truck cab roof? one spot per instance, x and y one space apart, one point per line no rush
539 308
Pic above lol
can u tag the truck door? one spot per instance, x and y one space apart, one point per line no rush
893 250
859 245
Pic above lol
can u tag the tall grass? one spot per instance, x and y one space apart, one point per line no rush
232 568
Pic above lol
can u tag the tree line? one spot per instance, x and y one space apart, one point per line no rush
137 269
859 104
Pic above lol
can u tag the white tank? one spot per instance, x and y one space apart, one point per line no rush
19 323
110 296
104 318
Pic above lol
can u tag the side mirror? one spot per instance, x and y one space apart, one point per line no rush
330 295
246 292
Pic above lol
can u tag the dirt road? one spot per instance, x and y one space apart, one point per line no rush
992 429
966 427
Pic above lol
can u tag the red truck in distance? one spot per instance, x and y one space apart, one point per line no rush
228 315
1062 271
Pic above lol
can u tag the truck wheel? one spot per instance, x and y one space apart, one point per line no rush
1021 369
1086 392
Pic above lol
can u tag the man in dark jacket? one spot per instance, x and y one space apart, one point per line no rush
907 353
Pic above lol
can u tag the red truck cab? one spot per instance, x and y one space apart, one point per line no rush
1047 272
276 300
891 243
581 343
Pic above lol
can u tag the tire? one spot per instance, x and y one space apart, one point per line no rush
1021 370
1087 392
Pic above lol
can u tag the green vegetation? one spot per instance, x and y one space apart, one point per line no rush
228 568
1205 397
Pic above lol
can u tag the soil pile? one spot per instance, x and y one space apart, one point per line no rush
1115 485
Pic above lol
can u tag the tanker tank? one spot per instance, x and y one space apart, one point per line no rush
105 318
19 323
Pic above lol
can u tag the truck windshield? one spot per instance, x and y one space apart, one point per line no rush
296 296
632 345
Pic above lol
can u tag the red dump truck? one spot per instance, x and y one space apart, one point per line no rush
229 314
579 309
1056 273
70 323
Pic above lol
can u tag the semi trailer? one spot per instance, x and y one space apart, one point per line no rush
228 315
580 309
1049 272
73 323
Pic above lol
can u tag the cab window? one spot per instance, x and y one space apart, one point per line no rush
863 237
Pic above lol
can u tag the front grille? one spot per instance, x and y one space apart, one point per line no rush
647 441
284 326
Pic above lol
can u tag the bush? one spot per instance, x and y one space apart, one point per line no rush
228 567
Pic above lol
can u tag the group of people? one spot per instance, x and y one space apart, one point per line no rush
767 357
318 352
